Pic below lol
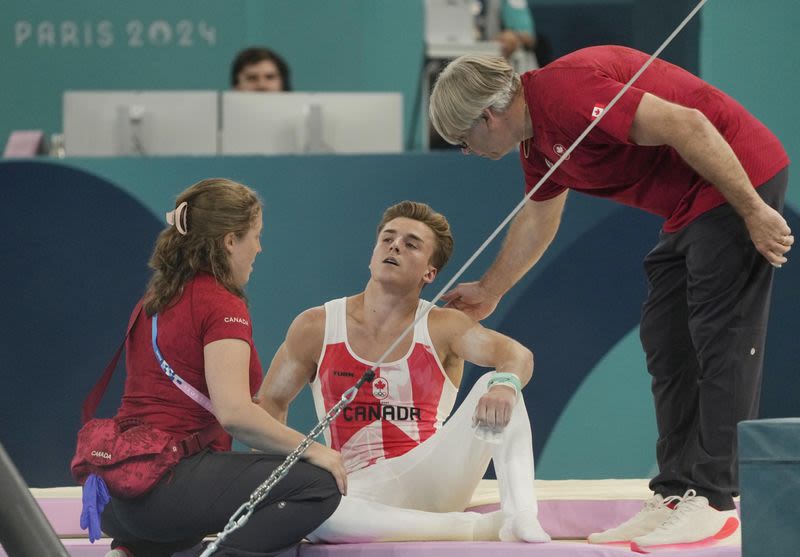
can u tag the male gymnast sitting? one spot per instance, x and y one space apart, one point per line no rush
410 474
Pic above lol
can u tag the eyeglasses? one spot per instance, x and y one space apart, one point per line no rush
463 145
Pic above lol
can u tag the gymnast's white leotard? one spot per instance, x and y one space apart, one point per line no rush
406 403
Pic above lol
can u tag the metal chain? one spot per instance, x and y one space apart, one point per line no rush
243 513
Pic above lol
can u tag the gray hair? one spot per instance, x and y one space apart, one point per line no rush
467 86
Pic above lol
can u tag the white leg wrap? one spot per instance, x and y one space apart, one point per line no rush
417 496
360 521
513 464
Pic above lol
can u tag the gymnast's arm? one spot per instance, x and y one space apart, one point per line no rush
290 360
294 364
529 235
462 337
697 141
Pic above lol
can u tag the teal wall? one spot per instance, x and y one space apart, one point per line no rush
336 45
750 50
47 47
746 48
341 45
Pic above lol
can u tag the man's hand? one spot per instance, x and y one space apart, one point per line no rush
330 460
509 42
701 146
494 408
770 233
473 299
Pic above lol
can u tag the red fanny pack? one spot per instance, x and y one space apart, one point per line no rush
129 455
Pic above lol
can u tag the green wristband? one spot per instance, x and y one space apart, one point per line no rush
507 379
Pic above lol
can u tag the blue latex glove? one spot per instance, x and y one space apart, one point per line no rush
95 498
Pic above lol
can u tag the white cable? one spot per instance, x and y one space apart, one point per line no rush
552 169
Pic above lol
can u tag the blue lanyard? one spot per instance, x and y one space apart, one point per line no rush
188 389
161 361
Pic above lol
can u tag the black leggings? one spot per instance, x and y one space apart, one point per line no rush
201 494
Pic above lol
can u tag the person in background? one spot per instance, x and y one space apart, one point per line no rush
510 23
260 69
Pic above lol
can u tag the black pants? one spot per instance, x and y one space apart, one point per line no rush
703 330
205 490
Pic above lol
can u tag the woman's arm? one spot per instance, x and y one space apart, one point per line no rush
227 364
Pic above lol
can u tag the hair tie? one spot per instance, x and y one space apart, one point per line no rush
177 217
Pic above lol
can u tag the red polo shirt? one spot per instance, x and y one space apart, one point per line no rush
204 312
566 95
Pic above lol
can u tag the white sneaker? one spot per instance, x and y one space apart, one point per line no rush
693 523
654 512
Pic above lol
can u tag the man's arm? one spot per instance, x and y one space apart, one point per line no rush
510 40
294 363
461 337
518 28
529 235
697 141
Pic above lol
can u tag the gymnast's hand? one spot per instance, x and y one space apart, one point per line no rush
330 460
494 408
473 299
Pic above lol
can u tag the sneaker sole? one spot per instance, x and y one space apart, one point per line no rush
730 526
620 543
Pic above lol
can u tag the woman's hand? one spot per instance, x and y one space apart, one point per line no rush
330 460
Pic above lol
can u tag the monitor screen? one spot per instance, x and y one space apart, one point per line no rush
136 123
287 123
449 21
